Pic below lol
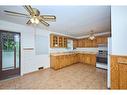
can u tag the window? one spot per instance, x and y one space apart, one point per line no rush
41 45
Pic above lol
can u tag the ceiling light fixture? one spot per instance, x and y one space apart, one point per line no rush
34 20
91 36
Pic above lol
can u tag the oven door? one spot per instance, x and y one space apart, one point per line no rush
101 59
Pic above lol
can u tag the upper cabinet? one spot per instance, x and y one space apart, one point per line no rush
102 40
75 43
86 43
57 41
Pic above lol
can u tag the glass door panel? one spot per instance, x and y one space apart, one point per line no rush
8 46
9 53
16 39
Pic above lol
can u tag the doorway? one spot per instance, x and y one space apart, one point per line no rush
9 54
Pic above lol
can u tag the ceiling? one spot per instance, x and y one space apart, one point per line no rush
75 21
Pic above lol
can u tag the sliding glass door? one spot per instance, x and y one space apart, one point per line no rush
9 54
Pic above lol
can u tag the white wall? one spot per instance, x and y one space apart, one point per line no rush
119 30
29 60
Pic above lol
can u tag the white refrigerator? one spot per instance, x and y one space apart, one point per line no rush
109 52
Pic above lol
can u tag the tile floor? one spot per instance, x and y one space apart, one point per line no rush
76 76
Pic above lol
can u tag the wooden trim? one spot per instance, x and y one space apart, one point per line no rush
28 48
0 59
14 58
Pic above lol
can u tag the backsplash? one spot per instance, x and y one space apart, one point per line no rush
56 50
87 49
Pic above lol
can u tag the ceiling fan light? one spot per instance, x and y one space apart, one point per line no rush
32 20
36 21
92 37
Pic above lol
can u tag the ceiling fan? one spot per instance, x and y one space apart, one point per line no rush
34 16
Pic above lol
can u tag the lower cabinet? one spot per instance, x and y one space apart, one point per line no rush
87 58
57 62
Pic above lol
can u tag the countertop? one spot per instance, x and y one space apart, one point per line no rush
74 52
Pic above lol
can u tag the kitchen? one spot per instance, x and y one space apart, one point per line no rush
85 50
79 46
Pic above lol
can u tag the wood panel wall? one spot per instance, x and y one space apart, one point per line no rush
118 72
114 73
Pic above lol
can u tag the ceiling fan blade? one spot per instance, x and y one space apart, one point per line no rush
45 23
29 9
48 17
15 13
28 22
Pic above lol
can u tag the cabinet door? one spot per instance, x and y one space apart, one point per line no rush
57 63
60 41
88 42
102 40
80 43
52 61
83 58
75 58
99 40
64 42
54 41
93 59
94 43
67 60
87 59
105 40
80 58
75 43
123 76
83 42
61 59
64 59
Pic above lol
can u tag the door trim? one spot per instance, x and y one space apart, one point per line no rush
15 69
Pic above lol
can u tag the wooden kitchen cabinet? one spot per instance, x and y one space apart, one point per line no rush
57 62
64 42
57 41
53 41
75 43
94 43
87 58
54 62
85 43
80 43
93 59
102 40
